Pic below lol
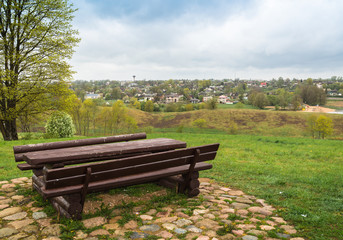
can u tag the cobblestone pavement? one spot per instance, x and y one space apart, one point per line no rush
224 214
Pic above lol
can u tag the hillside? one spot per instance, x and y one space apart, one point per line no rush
245 121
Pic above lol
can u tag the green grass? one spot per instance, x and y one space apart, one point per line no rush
8 169
302 178
234 106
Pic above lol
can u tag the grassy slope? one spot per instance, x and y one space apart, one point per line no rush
302 177
248 121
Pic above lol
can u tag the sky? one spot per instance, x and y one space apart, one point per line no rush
208 39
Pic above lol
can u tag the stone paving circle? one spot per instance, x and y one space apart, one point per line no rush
225 213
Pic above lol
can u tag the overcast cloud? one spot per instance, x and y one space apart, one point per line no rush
189 39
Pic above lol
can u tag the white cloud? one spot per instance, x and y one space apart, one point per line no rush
267 39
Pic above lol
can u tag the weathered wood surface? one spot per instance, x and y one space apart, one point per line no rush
102 151
20 150
125 180
172 158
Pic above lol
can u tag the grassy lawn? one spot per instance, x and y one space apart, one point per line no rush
303 178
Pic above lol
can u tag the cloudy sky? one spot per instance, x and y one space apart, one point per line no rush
202 39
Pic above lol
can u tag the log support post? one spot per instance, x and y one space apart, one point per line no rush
191 182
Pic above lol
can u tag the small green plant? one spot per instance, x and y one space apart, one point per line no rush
69 227
239 105
27 136
149 129
127 216
227 228
179 129
60 125
200 123
233 128
234 217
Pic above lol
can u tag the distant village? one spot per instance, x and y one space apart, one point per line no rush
195 91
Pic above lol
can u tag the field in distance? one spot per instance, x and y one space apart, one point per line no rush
239 121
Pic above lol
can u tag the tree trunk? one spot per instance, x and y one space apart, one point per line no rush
9 129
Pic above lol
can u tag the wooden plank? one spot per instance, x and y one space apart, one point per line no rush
125 181
77 143
26 166
21 150
121 172
103 150
131 161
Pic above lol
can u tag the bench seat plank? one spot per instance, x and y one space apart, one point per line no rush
125 181
19 151
211 149
115 173
26 166
104 150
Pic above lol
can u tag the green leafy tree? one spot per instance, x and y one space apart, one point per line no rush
320 126
149 106
87 115
258 99
323 126
36 40
212 103
137 105
311 125
296 102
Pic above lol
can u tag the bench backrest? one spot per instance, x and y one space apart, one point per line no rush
19 151
119 168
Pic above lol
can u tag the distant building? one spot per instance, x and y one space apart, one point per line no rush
205 99
148 97
194 100
93 96
224 99
173 98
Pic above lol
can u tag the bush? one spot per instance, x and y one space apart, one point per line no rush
148 129
179 129
60 125
233 128
239 105
200 123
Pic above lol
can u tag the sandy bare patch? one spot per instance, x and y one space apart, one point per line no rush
317 109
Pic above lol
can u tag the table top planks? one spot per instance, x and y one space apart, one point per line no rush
102 150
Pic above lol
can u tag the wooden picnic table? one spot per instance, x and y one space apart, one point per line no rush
103 151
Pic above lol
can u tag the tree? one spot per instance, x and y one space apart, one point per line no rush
36 40
212 103
323 126
149 106
258 99
311 94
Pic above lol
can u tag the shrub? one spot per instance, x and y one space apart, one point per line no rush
60 125
200 123
239 105
233 128
148 129
179 129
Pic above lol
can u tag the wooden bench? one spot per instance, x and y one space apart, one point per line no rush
21 151
165 161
